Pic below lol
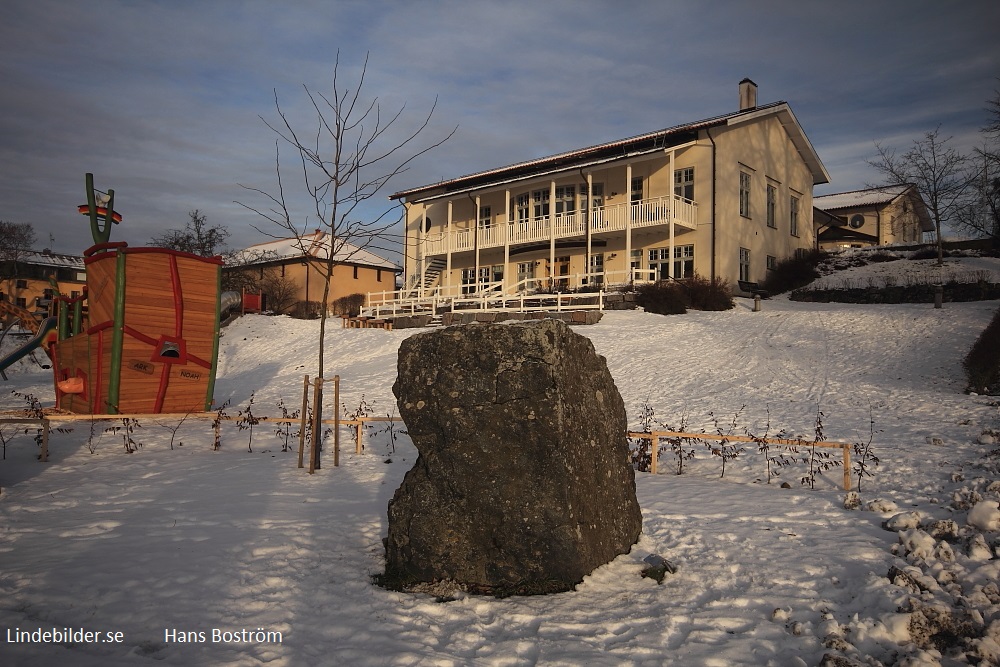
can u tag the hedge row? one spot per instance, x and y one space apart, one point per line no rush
953 292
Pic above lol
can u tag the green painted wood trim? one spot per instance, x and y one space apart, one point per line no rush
210 393
117 335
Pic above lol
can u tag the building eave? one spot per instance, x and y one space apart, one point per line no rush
582 158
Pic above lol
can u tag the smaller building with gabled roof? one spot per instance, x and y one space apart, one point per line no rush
871 217
297 267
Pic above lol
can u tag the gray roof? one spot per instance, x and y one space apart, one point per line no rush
53 259
638 145
859 198
316 244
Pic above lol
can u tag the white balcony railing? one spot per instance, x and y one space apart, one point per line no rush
604 219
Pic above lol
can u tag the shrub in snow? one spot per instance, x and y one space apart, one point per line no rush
794 272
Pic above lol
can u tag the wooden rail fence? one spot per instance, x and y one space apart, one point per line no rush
655 437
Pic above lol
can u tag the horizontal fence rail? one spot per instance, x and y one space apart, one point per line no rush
656 436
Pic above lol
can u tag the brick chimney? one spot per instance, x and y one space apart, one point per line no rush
748 95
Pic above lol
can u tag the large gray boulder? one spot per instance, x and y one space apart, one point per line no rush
523 482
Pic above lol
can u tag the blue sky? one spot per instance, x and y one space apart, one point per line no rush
163 101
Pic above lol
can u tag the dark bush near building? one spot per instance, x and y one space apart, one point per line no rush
930 252
675 297
349 305
705 294
794 272
982 363
662 298
883 256
305 310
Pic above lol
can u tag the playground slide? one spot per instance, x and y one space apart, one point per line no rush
35 341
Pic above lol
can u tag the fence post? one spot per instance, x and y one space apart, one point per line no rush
303 418
655 451
336 421
847 467
314 457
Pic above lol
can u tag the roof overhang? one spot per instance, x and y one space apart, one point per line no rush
791 125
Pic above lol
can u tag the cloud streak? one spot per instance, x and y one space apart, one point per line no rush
162 100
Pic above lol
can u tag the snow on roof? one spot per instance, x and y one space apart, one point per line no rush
855 198
52 259
316 244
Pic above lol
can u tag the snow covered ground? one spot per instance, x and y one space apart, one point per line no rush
229 548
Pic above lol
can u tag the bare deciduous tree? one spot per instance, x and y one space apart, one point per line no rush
939 172
982 214
16 240
345 160
197 237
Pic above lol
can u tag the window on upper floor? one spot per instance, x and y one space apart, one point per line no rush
772 196
522 207
565 200
744 194
485 216
684 183
636 190
540 203
21 284
793 216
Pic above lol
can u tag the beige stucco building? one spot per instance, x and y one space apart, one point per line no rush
28 282
871 217
301 264
724 197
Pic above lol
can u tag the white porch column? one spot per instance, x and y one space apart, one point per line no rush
506 243
671 214
476 242
421 251
590 225
448 235
628 218
552 233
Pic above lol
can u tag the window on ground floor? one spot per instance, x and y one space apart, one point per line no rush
683 262
596 271
745 264
793 216
525 272
772 262
469 283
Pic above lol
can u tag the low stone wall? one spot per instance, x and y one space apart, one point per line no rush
471 316
410 321
620 301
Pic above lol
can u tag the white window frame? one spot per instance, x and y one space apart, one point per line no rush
684 183
793 215
745 265
746 183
